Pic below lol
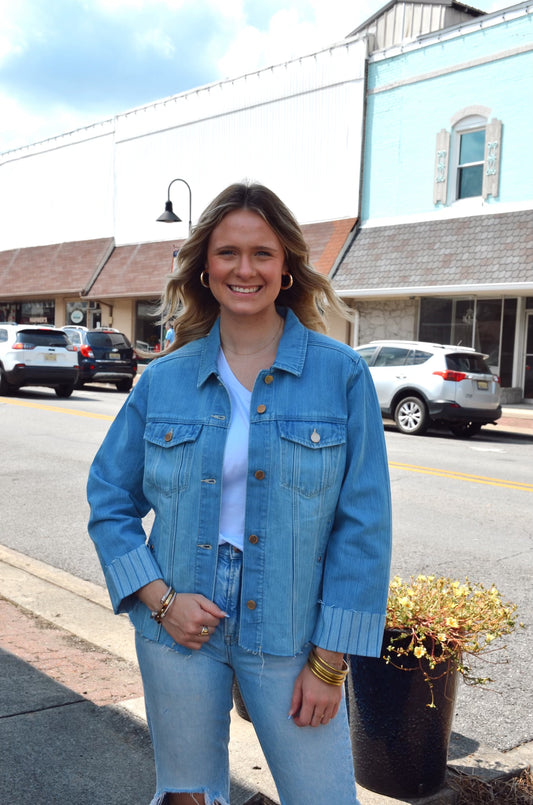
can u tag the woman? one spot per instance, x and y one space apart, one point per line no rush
258 443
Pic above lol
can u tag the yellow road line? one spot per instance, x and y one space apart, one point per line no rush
56 409
463 476
459 476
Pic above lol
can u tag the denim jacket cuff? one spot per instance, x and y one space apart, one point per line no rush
128 573
349 632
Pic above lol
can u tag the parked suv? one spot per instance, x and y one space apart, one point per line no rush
419 383
34 355
104 355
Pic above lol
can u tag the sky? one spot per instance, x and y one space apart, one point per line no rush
65 64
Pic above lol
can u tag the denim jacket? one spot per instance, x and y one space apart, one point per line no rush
318 522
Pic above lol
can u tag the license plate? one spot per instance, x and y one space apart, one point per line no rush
482 384
50 356
113 356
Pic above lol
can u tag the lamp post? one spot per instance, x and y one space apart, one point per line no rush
169 216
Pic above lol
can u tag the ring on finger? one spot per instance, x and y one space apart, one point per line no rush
205 631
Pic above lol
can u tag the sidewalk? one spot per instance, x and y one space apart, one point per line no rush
515 419
72 721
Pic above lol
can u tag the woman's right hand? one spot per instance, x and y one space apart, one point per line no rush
186 616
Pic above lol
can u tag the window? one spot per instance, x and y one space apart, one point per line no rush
418 356
366 353
42 338
467 159
470 165
392 356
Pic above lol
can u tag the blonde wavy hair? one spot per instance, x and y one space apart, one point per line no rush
194 308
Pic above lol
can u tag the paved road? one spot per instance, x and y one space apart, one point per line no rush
460 508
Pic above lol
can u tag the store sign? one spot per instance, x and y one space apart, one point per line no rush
76 316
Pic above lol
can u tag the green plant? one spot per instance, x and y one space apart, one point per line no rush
441 622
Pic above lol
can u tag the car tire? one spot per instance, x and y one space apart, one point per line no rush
65 390
411 416
124 385
465 430
5 388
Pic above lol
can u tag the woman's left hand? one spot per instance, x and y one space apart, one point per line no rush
314 702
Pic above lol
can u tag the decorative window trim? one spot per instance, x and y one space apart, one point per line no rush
440 180
445 178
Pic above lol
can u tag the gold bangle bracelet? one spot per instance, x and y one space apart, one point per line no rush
327 679
325 672
343 670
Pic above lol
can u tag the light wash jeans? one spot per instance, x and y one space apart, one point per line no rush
189 697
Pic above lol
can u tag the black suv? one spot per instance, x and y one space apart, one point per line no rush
104 356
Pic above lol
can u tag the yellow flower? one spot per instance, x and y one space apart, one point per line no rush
452 623
419 652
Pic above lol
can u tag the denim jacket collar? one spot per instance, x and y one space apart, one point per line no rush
290 356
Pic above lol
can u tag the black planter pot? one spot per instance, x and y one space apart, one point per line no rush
400 745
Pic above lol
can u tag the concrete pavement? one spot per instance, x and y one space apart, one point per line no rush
72 721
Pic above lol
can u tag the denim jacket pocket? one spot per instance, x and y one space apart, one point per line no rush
312 454
169 455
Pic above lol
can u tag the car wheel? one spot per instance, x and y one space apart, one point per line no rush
411 416
5 388
124 385
64 390
465 430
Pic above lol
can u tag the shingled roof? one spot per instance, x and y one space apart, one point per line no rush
62 268
481 250
140 270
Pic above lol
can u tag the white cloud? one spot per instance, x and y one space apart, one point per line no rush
157 40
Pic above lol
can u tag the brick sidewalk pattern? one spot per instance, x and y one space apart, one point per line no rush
95 674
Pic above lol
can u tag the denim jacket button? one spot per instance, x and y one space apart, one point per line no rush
168 436
261 409
253 538
251 604
259 474
269 379
315 437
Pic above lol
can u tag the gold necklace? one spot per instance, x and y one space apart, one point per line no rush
258 352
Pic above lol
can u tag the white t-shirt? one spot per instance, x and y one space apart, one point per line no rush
235 466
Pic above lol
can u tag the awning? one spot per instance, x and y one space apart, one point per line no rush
45 271
478 254
140 270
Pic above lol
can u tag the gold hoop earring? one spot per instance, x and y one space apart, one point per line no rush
204 278
285 285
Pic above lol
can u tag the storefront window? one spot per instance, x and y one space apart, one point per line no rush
8 311
487 325
463 322
84 314
507 348
435 320
38 312
148 327
488 329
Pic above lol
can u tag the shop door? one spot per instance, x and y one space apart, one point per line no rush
528 372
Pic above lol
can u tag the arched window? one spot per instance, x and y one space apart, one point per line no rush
467 160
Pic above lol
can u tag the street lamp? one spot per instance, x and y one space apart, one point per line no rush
169 216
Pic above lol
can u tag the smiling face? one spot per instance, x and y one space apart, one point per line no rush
245 261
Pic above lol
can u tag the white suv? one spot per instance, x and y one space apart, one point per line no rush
36 355
419 383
